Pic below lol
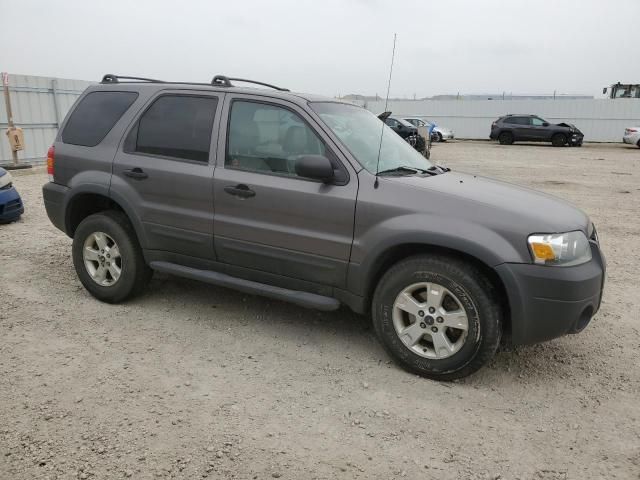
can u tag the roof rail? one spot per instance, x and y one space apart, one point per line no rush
222 81
111 78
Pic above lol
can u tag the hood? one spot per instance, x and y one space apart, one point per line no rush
568 125
384 115
5 178
501 205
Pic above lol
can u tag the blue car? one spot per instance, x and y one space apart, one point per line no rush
11 206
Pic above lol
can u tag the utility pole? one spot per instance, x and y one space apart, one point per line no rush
7 102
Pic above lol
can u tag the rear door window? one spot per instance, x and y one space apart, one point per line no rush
95 116
177 126
517 120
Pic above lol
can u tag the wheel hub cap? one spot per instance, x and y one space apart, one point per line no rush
441 333
101 256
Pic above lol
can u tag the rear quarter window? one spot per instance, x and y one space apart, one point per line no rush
95 116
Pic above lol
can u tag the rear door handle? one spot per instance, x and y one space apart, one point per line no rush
241 190
136 173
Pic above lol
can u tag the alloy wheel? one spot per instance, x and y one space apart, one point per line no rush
430 320
102 259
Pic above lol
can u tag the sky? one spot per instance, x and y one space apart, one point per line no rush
333 47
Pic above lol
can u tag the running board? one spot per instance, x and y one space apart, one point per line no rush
303 299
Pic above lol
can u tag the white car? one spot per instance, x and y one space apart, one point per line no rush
632 136
439 134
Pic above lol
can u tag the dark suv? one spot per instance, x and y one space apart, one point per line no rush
407 131
531 128
313 201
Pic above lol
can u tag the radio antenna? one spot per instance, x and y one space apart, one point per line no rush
386 102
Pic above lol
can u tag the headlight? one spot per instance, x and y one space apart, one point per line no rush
562 249
5 180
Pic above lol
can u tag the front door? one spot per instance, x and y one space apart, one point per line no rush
267 218
538 131
164 171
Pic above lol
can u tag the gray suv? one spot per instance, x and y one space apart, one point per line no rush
316 202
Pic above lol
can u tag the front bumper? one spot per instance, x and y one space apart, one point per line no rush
11 206
448 136
631 139
548 302
576 139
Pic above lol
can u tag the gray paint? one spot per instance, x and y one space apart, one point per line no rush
328 240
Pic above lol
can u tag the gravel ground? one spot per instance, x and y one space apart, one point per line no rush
192 381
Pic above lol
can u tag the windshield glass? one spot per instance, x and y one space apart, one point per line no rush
360 130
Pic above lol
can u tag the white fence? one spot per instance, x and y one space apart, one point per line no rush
39 105
602 120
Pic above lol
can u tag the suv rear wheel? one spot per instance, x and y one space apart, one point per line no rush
108 258
437 316
505 138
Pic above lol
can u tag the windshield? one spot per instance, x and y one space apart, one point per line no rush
359 130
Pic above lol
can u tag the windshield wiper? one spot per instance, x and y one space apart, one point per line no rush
413 170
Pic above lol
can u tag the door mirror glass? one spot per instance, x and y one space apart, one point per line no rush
604 90
317 167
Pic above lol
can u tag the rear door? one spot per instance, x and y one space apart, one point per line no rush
267 218
164 170
519 126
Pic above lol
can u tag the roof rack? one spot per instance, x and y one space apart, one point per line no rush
218 81
222 81
111 78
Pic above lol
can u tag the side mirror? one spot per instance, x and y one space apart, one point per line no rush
317 167
604 91
545 124
400 126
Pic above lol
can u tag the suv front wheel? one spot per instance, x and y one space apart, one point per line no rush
437 316
559 140
108 258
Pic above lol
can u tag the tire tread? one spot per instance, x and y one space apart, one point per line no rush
490 333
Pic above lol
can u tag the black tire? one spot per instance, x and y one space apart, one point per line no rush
505 138
135 274
6 222
440 139
638 143
559 140
477 296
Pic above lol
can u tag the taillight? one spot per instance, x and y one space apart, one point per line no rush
51 154
631 130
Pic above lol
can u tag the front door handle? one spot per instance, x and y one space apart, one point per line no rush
136 173
241 190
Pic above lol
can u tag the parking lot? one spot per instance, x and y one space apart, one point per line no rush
193 381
